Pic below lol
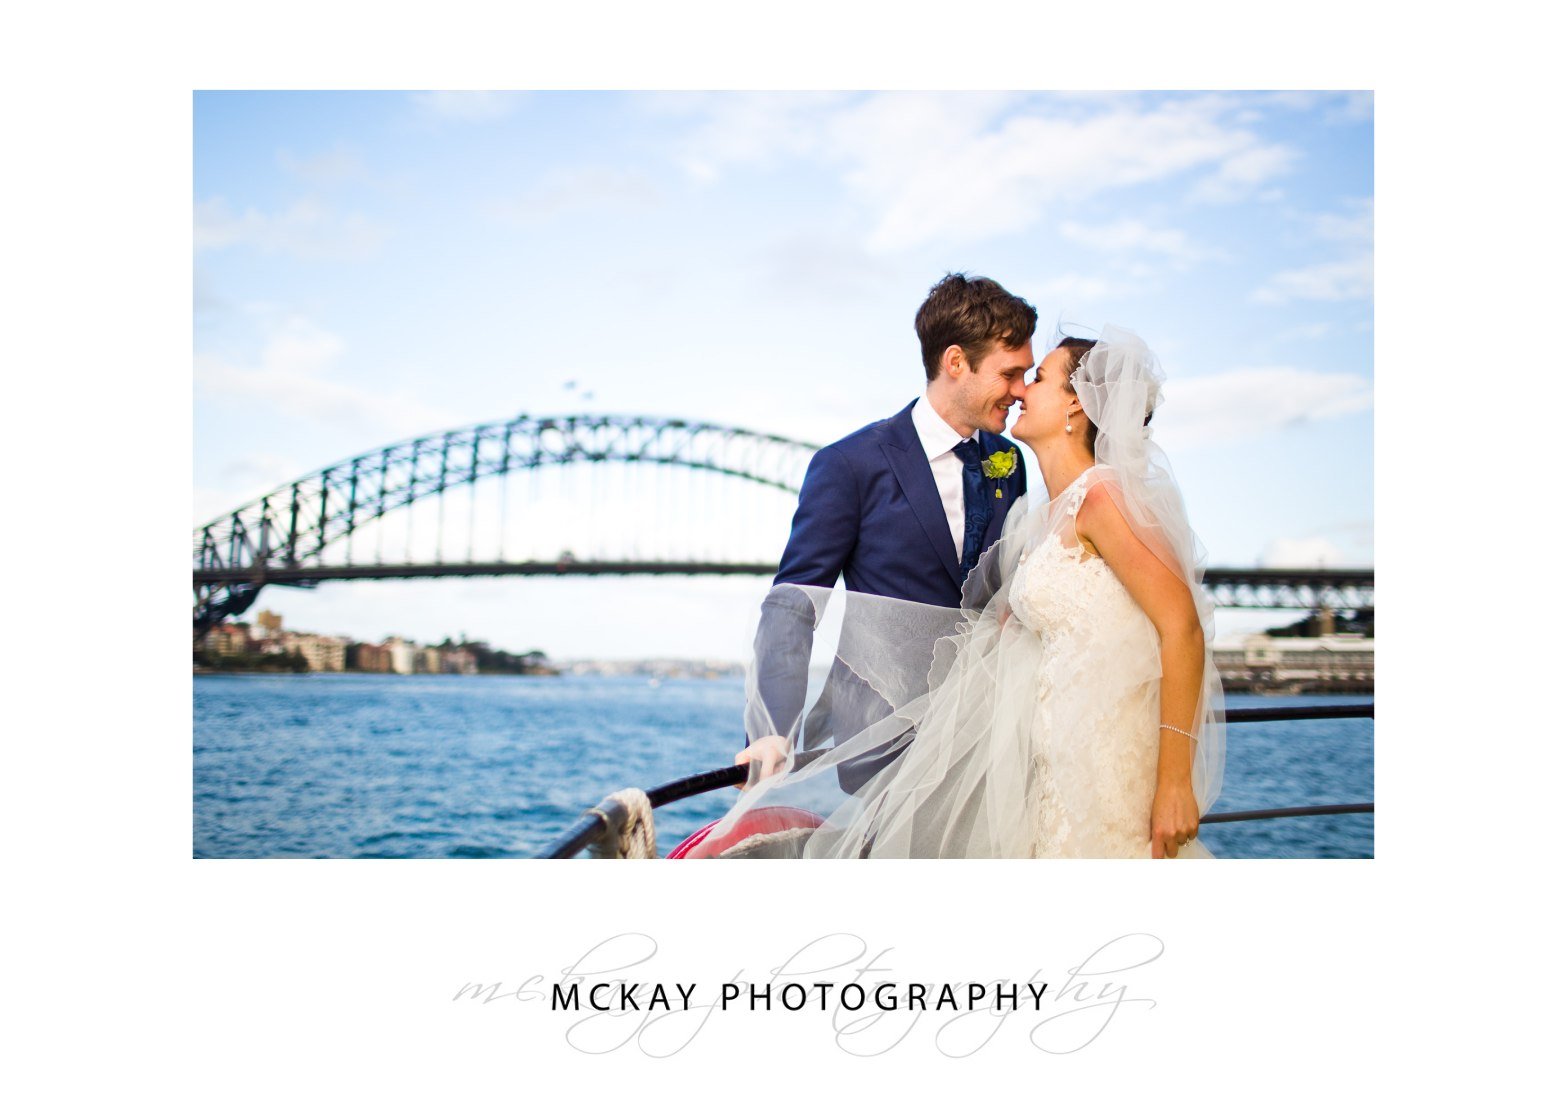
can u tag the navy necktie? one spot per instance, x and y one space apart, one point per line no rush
977 507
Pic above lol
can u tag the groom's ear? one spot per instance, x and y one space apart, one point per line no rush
953 361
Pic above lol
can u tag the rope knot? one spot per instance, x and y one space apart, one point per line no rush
628 826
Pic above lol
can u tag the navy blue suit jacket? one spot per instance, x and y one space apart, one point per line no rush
869 511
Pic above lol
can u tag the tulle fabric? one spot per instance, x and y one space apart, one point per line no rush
1120 384
1023 724
1096 710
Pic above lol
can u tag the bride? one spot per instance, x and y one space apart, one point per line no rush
1070 710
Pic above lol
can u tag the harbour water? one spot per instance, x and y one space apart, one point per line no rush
382 766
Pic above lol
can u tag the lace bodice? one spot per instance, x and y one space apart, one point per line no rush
1095 716
1061 586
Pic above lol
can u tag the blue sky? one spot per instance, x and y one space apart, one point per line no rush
371 267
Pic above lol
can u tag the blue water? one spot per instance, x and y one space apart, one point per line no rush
351 766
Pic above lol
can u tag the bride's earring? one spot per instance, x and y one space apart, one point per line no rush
1069 428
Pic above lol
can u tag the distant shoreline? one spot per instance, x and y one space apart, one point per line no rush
1338 687
198 669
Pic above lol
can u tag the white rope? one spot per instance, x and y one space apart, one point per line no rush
628 826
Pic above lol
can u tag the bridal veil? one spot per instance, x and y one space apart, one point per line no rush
919 743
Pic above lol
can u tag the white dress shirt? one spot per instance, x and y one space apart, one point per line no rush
937 438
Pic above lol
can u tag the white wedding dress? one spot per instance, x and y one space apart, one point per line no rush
1025 724
1095 728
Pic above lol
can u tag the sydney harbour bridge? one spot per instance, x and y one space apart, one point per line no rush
570 495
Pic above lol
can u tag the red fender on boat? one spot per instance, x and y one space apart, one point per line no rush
757 821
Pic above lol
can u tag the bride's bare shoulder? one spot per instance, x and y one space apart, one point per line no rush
1099 516
1101 494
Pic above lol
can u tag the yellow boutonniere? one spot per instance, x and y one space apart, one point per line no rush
1001 464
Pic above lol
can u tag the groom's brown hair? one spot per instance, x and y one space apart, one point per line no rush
972 312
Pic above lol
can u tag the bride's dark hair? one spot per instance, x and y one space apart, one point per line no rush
1077 349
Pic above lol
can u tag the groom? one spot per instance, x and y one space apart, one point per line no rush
902 508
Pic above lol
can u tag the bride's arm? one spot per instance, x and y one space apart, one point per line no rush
1167 600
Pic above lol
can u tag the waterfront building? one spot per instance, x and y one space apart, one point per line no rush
428 660
322 654
459 661
372 658
1296 665
227 639
401 653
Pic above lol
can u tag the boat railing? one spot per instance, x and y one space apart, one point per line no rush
594 822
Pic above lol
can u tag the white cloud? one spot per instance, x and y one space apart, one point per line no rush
462 104
204 295
573 188
306 229
1129 235
1334 281
832 269
1333 105
1357 105
1311 551
1306 332
336 165
1245 403
292 379
1076 289
1032 160
240 482
931 168
1242 173
737 129
1300 100
1353 226
259 469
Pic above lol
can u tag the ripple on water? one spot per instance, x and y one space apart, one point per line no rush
498 767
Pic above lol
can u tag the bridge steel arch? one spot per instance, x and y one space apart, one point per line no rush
275 538
1303 588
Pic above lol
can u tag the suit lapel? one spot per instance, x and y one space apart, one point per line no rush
912 469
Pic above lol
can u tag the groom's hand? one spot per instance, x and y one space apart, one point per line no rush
772 752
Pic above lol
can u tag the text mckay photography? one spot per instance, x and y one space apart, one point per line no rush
862 999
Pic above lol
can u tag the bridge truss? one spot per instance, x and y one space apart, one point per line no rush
302 533
1292 588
